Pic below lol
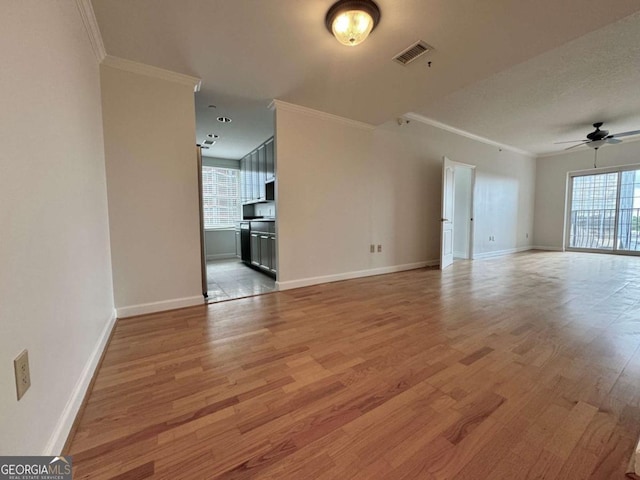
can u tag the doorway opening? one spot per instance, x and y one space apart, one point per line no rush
456 236
223 207
462 208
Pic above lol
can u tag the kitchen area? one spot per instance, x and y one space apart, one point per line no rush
252 268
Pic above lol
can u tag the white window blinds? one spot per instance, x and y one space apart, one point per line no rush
221 197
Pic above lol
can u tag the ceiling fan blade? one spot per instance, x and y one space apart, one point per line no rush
574 146
569 141
626 134
613 141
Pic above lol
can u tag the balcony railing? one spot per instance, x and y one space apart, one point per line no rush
595 229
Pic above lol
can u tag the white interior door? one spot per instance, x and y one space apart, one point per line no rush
446 221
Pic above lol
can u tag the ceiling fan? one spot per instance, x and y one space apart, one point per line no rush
598 138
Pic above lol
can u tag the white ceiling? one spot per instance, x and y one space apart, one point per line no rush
512 71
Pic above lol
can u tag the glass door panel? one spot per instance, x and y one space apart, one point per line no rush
629 211
593 211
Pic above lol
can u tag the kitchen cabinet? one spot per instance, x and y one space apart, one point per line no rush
257 170
272 250
262 172
238 243
265 251
255 249
254 187
262 246
270 160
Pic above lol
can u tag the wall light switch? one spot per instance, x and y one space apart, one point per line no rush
372 248
379 248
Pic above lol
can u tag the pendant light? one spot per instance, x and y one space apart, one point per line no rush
351 21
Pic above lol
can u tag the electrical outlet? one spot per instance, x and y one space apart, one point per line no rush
23 376
379 248
372 248
526 235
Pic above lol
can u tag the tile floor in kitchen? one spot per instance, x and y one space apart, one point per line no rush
230 278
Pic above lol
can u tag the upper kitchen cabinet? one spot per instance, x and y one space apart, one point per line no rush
271 164
262 172
258 173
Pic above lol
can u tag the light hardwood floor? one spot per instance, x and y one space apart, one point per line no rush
518 367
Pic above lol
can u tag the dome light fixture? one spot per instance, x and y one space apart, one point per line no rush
351 21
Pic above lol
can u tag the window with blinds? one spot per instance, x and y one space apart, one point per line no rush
222 207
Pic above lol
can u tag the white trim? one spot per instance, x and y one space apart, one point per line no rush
305 282
151 71
443 126
91 26
60 433
160 306
280 105
499 253
221 256
547 248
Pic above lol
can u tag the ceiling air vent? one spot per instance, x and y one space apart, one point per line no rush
209 142
412 53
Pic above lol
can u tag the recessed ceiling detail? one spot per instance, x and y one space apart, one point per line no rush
412 53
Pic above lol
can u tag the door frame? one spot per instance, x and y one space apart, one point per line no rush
472 222
203 258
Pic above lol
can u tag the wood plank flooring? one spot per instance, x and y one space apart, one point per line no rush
524 366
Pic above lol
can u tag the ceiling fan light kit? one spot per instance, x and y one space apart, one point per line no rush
598 138
351 21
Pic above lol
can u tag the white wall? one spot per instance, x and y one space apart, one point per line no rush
220 244
462 212
55 275
323 196
149 129
551 185
503 197
341 187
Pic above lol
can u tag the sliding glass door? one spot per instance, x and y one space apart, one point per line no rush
629 211
604 212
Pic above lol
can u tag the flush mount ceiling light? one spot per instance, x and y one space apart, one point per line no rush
351 21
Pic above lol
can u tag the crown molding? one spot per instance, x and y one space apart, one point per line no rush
280 105
150 71
443 126
91 26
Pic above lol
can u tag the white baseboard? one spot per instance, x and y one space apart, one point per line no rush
499 253
305 282
221 256
161 306
548 249
59 436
